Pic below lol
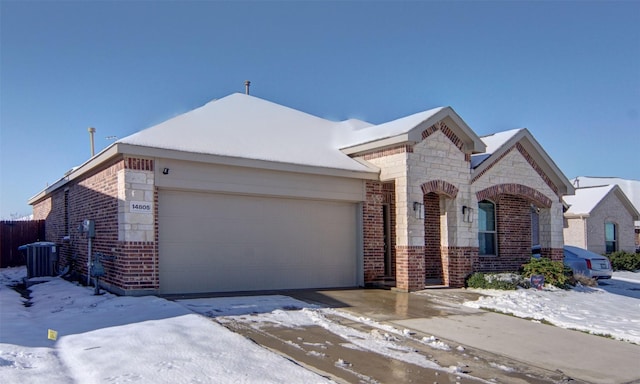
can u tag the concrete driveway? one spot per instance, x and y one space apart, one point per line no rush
551 353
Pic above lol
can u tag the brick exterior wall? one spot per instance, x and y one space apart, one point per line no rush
527 157
410 265
387 152
440 186
555 254
432 256
513 221
373 232
389 193
98 196
136 268
512 173
515 189
440 126
460 262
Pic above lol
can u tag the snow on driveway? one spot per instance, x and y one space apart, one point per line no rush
613 308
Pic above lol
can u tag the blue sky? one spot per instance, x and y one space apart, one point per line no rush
567 71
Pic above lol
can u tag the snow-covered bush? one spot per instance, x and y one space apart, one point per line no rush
503 281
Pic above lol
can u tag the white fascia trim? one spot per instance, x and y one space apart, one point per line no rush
105 155
576 215
388 142
116 149
129 149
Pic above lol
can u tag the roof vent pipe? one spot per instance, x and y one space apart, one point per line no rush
247 83
91 132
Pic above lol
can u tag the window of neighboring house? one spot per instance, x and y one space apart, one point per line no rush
610 237
487 228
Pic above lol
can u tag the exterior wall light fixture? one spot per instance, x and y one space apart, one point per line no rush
467 214
418 209
165 171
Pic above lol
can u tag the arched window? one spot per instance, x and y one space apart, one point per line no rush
610 237
487 228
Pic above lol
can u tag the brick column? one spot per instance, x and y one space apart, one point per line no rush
460 264
555 254
373 232
432 233
410 268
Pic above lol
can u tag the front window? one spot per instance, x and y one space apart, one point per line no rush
487 228
610 237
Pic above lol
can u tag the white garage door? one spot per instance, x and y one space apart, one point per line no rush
217 242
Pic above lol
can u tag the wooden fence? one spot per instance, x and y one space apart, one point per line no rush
14 234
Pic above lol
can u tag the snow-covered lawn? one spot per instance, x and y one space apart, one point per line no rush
148 339
152 340
114 339
613 308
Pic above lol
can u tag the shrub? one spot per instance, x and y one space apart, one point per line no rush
623 261
502 281
476 280
554 272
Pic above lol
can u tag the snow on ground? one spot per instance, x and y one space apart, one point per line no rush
122 339
148 339
613 308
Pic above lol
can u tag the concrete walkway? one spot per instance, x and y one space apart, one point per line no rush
585 357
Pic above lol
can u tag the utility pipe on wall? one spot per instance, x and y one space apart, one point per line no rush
89 263
91 132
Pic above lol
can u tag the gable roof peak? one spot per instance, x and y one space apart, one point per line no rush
408 130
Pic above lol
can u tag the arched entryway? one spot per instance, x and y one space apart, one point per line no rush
437 195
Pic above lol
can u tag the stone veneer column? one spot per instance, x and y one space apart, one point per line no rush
137 211
551 232
136 208
410 238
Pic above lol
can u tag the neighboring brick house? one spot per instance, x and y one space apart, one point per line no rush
243 194
601 219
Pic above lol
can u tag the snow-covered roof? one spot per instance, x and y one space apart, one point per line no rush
586 199
631 188
389 129
499 143
248 127
493 143
244 126
408 129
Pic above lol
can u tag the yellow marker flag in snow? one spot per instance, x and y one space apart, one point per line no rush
52 335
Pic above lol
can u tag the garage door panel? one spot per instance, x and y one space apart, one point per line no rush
216 242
